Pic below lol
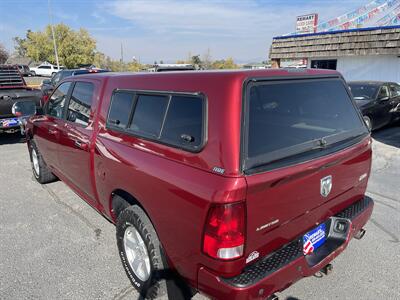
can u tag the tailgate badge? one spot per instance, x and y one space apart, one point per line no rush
267 225
326 186
252 256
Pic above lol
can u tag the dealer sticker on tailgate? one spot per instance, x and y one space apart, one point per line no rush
314 239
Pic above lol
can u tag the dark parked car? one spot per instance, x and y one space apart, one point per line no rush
378 101
24 70
236 184
48 85
17 101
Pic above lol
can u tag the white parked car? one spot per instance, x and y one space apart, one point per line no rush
45 69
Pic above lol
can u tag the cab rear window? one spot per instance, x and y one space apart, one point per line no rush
122 103
286 119
173 119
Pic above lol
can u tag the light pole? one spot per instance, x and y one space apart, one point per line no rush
54 39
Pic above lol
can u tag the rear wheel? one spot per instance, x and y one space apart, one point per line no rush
368 122
141 254
40 170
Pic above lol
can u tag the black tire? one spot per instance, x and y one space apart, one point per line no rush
43 175
368 122
155 287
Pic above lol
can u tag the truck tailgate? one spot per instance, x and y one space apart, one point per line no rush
275 199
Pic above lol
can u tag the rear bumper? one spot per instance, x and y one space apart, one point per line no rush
285 266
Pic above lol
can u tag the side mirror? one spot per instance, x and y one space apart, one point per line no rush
384 98
46 81
24 108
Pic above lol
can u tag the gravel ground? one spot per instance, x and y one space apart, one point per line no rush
54 246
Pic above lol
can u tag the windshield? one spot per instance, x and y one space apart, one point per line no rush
287 118
363 91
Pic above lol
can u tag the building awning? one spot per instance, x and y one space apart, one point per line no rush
360 41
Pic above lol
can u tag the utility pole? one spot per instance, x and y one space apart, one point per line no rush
122 58
54 39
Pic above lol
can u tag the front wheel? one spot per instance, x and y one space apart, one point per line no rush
140 252
40 170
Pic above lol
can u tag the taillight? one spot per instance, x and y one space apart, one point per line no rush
224 232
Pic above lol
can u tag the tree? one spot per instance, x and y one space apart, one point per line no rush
207 63
3 54
196 60
74 47
224 64
134 66
102 61
20 48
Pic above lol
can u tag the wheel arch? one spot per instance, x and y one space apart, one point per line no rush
126 199
118 204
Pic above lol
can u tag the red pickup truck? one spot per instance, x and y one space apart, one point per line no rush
235 184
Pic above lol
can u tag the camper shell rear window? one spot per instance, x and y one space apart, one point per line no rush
288 121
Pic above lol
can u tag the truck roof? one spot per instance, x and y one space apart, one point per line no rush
216 74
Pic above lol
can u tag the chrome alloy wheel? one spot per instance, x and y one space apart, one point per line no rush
136 252
35 162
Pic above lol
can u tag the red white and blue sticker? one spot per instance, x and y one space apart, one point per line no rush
314 239
9 122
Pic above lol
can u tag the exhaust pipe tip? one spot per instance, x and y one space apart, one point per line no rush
273 297
360 234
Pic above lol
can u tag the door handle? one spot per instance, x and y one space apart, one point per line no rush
81 145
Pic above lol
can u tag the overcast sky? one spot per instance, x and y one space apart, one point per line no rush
169 30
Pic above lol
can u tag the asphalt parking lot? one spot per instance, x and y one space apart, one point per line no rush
55 246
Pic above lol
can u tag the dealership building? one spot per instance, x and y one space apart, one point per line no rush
359 54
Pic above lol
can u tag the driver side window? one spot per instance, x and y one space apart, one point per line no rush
395 90
384 92
56 103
